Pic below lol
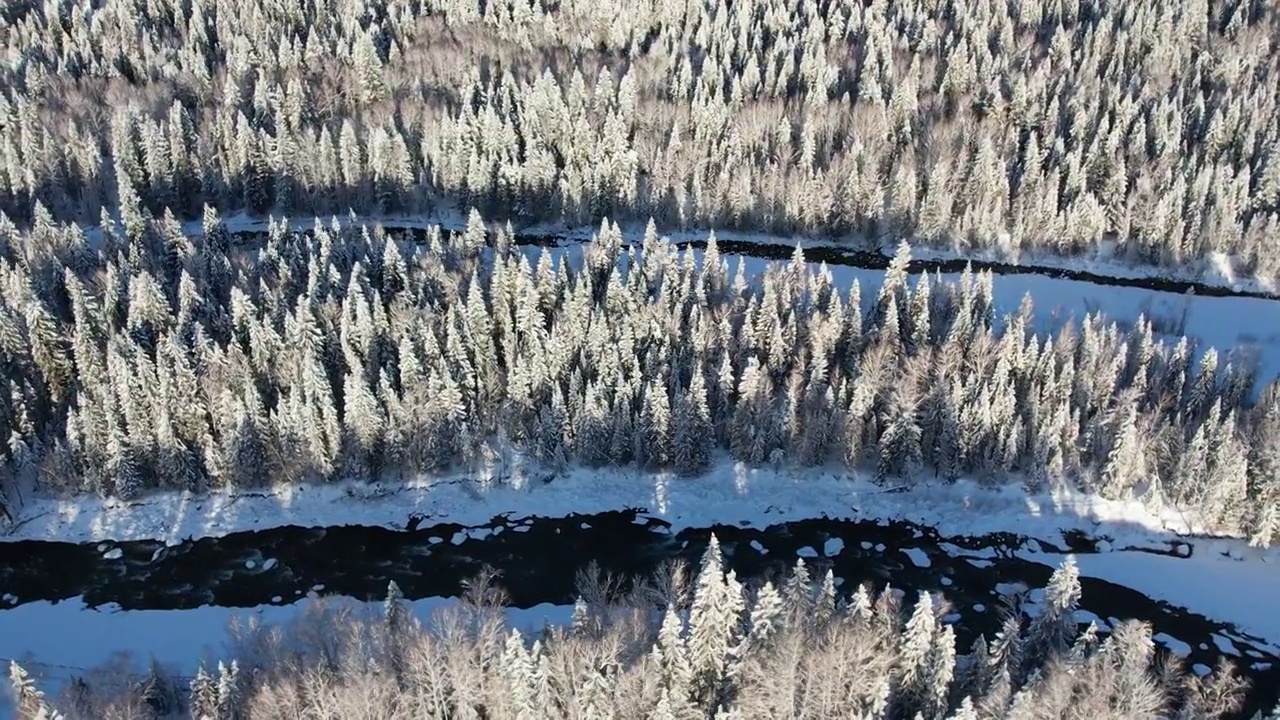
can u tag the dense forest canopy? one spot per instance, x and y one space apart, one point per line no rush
1145 128
150 359
137 355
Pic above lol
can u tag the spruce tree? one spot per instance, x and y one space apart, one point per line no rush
918 650
671 656
767 617
203 702
714 624
1053 630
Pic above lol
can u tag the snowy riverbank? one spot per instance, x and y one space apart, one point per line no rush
1223 579
729 493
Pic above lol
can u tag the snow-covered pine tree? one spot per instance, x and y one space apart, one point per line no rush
579 621
653 436
767 616
228 692
595 694
673 707
29 699
156 691
965 711
1025 701
919 312
1006 650
1085 643
622 423
940 673
914 664
692 436
888 331
894 287
898 451
973 671
518 673
395 612
797 594
203 699
670 655
860 605
474 235
1053 630
825 600
1266 523
715 621
1126 461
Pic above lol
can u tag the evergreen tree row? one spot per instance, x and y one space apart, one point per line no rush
146 359
716 650
1147 129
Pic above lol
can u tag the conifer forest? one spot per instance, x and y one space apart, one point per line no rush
387 317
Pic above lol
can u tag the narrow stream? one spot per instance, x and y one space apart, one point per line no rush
537 560
878 261
875 260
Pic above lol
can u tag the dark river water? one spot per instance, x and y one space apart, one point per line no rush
538 558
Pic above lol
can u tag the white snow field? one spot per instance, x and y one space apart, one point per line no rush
57 641
730 492
1210 583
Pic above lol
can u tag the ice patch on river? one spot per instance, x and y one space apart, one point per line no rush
919 558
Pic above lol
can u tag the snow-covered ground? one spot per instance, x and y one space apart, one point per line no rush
57 641
729 492
1236 591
